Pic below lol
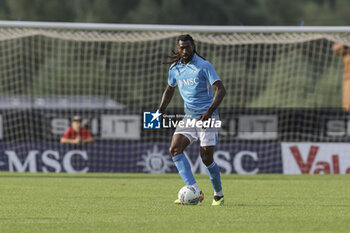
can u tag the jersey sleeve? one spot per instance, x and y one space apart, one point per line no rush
87 134
171 78
210 73
67 133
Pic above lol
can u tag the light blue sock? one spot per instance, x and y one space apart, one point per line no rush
184 168
214 175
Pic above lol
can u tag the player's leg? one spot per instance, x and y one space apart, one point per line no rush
207 153
178 144
208 140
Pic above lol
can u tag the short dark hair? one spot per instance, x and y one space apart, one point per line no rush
77 118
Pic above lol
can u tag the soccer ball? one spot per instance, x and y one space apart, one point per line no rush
189 195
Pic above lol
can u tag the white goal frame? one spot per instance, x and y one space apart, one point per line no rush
174 28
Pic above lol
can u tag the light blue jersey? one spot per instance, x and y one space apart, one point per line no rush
194 81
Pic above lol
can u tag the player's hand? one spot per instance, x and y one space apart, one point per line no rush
205 116
339 49
337 46
77 140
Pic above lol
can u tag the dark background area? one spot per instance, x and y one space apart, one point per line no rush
194 12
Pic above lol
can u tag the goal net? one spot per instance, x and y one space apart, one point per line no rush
281 87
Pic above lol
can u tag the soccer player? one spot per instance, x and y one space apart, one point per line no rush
195 78
77 134
344 51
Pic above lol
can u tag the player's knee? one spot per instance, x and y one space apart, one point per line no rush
174 150
206 158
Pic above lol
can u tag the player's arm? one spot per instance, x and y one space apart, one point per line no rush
87 137
220 92
87 140
70 141
167 96
67 140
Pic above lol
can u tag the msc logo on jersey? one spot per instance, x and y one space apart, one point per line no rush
151 120
188 82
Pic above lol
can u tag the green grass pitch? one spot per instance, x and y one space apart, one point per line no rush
143 203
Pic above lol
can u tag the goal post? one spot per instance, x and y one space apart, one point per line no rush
284 84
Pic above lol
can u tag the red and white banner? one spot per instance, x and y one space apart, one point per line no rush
316 158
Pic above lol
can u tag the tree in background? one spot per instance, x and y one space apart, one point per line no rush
204 12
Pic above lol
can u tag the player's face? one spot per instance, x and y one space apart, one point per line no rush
76 126
185 49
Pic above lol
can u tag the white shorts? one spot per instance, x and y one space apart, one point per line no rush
206 136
